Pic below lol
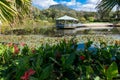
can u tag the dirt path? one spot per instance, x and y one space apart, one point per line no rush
98 24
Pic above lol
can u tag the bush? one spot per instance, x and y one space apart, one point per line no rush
62 61
82 20
91 19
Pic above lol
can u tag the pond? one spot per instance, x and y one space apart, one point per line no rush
114 36
34 40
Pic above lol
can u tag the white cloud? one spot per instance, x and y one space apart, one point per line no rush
93 1
88 6
71 3
43 3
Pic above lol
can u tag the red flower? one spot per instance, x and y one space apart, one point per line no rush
27 74
22 44
16 49
82 57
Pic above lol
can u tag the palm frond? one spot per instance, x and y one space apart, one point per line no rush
12 9
107 5
6 12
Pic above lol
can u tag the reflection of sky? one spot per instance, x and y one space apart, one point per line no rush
81 47
116 36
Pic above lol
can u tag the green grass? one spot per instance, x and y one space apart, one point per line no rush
26 25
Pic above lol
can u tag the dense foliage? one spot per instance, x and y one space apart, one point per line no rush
62 61
13 9
15 12
105 6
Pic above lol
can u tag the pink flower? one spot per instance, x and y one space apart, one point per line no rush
16 49
22 44
27 74
82 57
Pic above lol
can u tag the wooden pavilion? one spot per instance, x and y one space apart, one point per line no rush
66 22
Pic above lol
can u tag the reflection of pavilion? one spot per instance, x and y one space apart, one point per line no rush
66 22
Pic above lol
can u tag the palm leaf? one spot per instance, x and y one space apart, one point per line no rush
107 5
6 12
16 8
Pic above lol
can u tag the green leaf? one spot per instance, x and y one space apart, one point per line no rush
33 78
89 71
112 71
7 12
70 60
54 60
46 72
97 78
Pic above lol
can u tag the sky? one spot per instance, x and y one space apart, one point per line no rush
79 5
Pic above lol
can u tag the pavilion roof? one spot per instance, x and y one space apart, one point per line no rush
67 18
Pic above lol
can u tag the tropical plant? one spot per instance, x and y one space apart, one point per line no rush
6 11
12 9
63 61
108 5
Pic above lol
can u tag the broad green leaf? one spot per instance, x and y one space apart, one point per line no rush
112 71
46 72
33 78
70 60
89 71
97 78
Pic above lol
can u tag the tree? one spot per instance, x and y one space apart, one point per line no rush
53 13
101 15
10 9
108 5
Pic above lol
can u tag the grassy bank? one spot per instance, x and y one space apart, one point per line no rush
28 27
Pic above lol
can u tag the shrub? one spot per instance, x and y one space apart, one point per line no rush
91 19
62 61
82 20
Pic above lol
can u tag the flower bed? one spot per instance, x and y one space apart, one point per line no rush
37 40
60 61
